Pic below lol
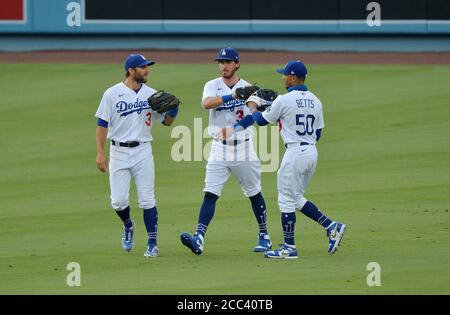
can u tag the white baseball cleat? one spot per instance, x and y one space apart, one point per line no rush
152 251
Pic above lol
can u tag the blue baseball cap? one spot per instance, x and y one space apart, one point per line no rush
294 67
228 53
137 60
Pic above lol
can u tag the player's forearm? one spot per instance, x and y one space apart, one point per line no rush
168 120
244 123
259 119
252 107
101 134
216 101
212 102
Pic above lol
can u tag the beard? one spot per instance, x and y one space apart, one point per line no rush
140 79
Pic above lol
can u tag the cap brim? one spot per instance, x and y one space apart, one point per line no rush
147 63
280 70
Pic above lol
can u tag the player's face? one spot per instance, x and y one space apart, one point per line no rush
228 68
287 80
140 74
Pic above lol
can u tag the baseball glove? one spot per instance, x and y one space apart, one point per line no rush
162 101
263 98
244 93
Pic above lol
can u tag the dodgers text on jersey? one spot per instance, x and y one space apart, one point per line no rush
230 105
124 108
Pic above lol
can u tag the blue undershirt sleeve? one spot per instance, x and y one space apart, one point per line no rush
259 119
318 134
173 112
245 122
102 123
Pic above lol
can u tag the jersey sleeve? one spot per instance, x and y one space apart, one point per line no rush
273 113
209 90
104 109
158 117
319 119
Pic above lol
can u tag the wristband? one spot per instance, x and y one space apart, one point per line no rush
173 112
227 98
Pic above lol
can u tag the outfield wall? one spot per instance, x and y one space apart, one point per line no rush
231 17
261 43
310 25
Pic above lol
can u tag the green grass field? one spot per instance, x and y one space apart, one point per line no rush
384 170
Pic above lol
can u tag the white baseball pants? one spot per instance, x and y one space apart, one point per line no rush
241 160
126 163
296 171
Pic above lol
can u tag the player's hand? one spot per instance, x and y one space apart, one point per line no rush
102 163
252 106
225 133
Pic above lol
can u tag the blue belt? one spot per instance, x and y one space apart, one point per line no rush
296 143
125 144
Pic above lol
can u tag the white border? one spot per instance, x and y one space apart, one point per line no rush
25 16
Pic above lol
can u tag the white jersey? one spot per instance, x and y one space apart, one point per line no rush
128 113
228 114
299 114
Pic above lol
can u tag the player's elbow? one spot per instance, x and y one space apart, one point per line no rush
206 105
209 103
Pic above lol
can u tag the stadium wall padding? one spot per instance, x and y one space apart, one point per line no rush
248 17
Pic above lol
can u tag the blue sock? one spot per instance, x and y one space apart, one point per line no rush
288 223
124 215
206 213
259 209
151 224
312 212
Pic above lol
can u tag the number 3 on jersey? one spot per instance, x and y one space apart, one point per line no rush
306 124
239 114
148 122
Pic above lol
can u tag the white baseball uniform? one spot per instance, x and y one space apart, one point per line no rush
237 156
130 119
299 113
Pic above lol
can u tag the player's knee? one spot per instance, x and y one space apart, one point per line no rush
286 206
119 204
147 204
301 203
252 191
254 196
209 195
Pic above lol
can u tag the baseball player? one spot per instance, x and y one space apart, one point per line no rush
299 113
231 152
126 118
